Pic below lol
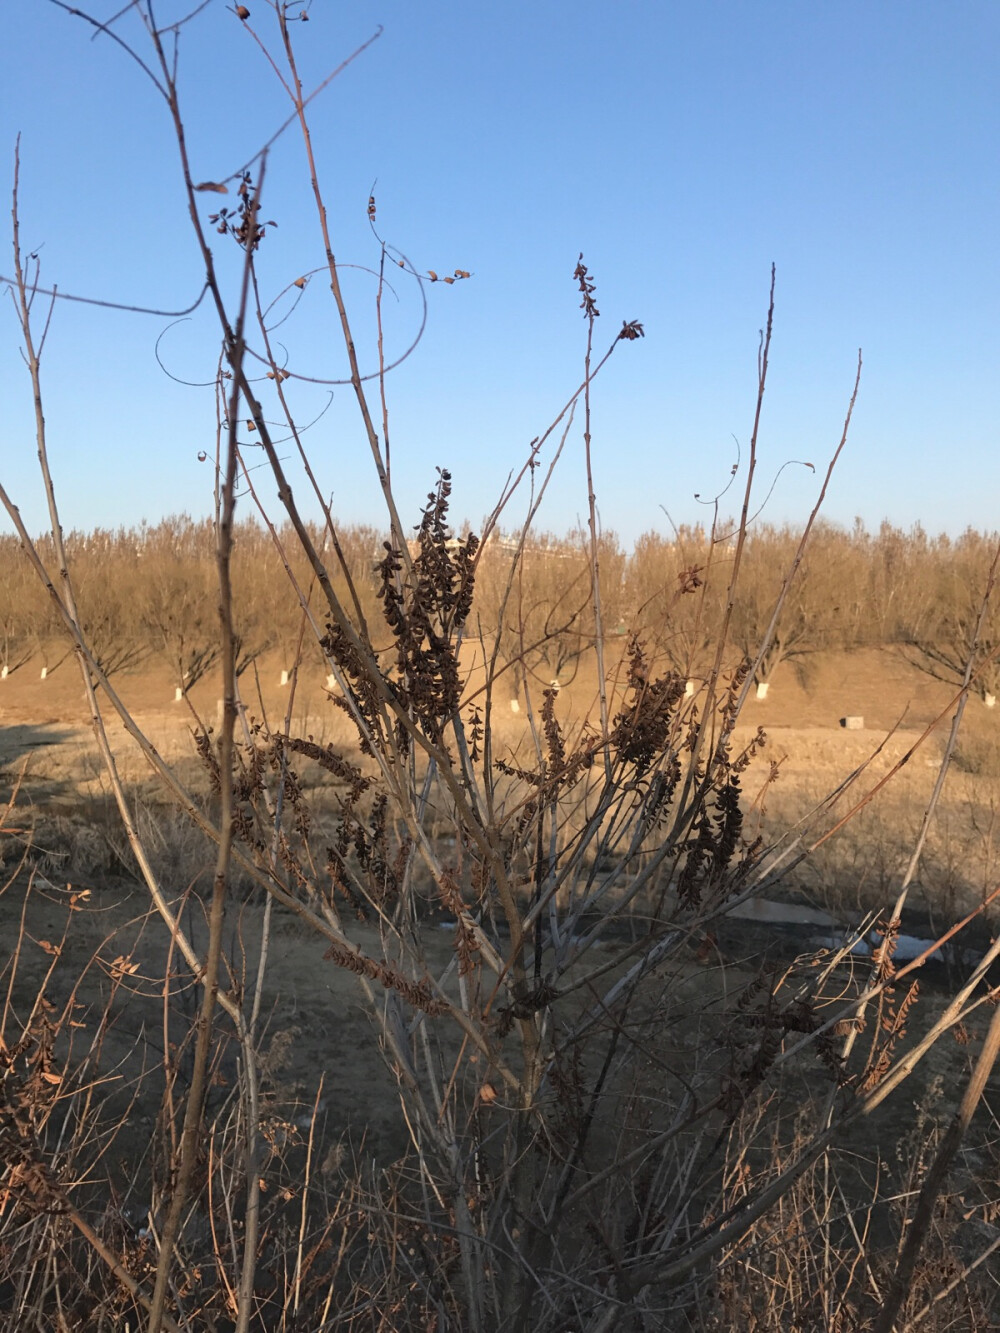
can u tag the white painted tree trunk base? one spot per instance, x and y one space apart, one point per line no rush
515 707
43 674
284 678
762 688
178 695
990 700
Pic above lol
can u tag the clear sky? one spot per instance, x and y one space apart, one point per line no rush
682 147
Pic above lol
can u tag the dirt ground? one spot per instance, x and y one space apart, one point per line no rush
44 734
44 726
312 1010
311 1006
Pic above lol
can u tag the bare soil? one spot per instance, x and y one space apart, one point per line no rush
312 1007
44 724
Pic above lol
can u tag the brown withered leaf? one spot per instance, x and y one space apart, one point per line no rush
213 187
123 967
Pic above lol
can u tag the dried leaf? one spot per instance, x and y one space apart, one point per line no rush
123 967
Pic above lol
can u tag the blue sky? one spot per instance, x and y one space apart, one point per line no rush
682 148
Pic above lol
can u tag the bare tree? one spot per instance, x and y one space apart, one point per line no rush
176 602
812 614
942 639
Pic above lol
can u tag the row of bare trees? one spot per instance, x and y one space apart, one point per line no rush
853 589
148 592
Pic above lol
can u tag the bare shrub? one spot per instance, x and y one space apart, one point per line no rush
601 1117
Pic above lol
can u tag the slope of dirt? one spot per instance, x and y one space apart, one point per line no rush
46 721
